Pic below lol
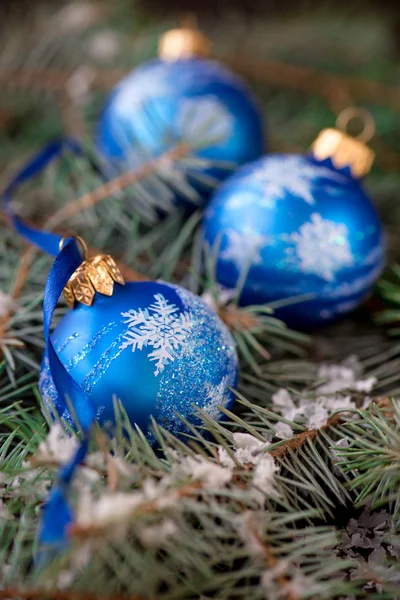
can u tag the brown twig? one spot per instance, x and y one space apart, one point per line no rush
114 186
88 200
112 473
20 280
272 562
273 72
311 81
295 443
237 319
56 80
82 531
71 115
298 441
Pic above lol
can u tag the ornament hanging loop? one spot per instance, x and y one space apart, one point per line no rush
95 274
353 113
81 242
344 149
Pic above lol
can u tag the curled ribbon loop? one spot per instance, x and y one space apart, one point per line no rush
57 514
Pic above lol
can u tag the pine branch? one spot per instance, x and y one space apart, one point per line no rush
312 81
17 593
270 560
20 280
373 454
294 444
114 186
273 72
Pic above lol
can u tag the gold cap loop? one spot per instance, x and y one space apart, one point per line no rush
81 241
359 114
96 274
186 41
343 149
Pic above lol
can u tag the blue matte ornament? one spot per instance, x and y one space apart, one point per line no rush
181 99
155 346
294 225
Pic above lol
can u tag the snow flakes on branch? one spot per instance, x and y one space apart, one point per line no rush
161 326
75 17
119 508
264 478
157 535
251 451
221 297
344 377
58 446
210 474
6 304
283 430
332 395
297 586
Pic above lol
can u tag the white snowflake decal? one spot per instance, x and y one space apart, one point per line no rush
323 248
203 120
241 199
158 326
217 395
294 174
244 248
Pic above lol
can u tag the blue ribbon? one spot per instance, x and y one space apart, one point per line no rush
57 514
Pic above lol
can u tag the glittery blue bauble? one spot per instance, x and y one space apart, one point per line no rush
195 101
155 346
296 226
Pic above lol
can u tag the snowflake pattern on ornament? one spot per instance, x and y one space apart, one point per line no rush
243 248
241 200
322 247
160 326
217 395
279 175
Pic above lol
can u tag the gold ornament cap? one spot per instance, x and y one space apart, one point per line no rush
345 150
95 274
186 41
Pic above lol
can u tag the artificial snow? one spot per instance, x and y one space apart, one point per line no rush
249 450
79 84
210 474
58 445
221 297
283 431
104 46
76 17
6 304
157 535
264 478
335 393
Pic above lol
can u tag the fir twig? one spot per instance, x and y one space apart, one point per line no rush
17 593
114 186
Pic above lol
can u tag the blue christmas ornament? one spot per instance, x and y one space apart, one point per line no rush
156 347
299 225
182 98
